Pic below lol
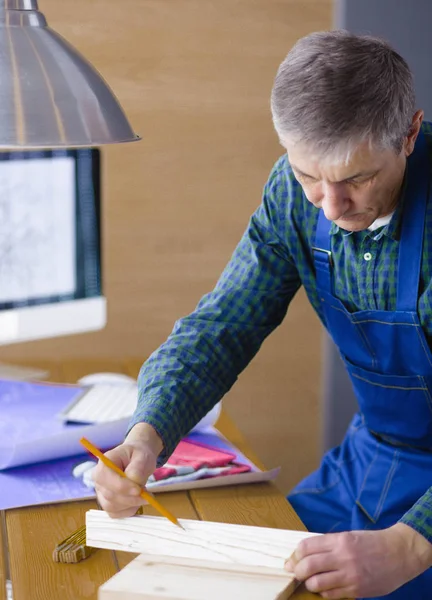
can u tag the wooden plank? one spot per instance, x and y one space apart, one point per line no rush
177 502
201 540
32 535
256 504
150 578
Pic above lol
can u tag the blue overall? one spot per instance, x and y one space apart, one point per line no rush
384 464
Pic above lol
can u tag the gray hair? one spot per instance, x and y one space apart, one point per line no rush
335 90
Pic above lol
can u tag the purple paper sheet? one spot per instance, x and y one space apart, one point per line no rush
24 405
44 483
53 481
31 431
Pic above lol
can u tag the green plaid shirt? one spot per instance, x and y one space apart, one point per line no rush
208 349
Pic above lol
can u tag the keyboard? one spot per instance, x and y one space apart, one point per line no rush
101 403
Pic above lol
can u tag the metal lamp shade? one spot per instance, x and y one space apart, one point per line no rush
50 96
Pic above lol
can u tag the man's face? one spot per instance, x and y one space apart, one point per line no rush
355 193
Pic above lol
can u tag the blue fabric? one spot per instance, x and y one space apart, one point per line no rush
385 461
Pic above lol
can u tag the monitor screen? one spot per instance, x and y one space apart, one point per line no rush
50 244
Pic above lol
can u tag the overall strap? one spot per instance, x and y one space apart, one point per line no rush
412 232
411 243
322 254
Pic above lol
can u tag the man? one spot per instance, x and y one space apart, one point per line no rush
347 213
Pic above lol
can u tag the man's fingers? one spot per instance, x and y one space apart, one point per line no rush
138 470
320 544
324 582
120 496
118 507
120 456
315 545
123 500
289 565
112 491
315 564
105 477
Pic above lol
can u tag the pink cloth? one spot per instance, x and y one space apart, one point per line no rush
189 457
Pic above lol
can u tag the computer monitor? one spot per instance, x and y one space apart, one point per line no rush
50 244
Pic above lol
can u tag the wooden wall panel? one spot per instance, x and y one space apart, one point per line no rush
194 77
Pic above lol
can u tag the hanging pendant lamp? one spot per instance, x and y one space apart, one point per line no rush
50 95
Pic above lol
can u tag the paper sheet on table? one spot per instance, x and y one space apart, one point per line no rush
39 453
54 481
30 431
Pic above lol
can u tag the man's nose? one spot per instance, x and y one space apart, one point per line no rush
335 202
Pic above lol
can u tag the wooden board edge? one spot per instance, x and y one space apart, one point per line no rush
135 579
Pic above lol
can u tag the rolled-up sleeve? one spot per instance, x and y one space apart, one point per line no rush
419 517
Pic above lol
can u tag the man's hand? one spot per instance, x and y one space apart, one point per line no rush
361 563
137 457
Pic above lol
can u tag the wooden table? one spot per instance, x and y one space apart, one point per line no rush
29 535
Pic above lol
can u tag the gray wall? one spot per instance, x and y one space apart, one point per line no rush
406 25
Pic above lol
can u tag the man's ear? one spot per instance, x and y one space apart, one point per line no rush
410 140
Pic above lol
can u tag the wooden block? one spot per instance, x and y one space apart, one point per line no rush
201 540
158 577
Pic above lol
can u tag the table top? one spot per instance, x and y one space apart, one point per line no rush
29 535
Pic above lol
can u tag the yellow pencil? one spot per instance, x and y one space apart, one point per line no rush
143 493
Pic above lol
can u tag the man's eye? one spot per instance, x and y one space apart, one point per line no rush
306 178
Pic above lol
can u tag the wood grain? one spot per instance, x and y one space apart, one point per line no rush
3 557
150 578
32 535
200 540
258 504
178 503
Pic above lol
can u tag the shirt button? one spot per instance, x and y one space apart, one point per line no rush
367 256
